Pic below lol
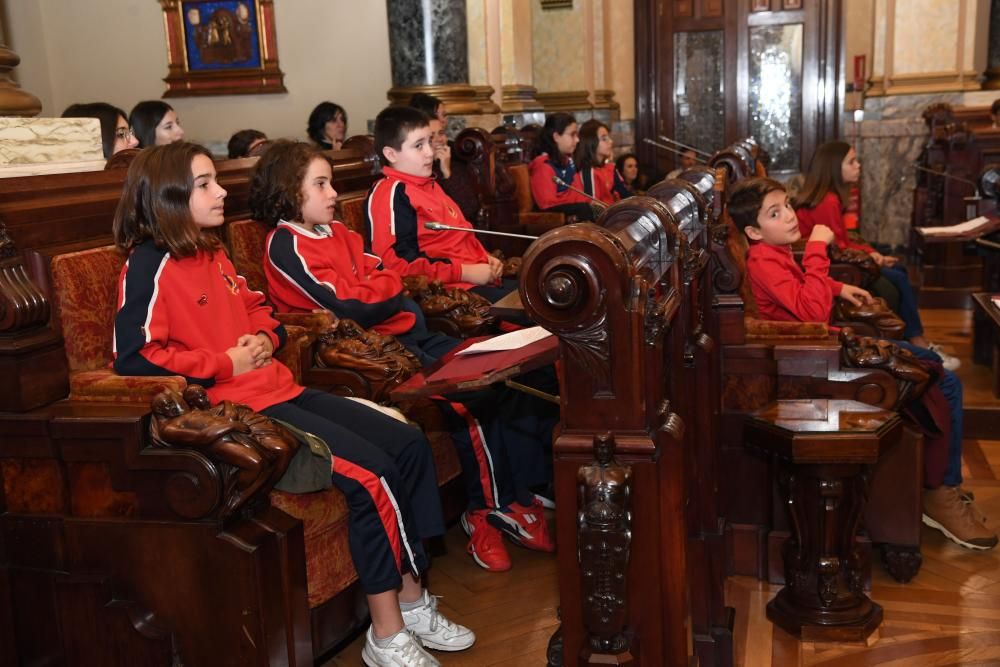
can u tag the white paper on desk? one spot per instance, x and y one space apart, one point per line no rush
967 227
514 340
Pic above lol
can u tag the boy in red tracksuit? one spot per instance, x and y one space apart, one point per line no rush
783 291
400 204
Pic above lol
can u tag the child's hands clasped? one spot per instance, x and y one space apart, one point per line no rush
821 233
883 260
251 351
496 268
477 274
854 294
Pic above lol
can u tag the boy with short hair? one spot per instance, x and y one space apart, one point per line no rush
400 204
759 207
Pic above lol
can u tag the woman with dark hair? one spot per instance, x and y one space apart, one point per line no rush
821 201
557 142
116 135
628 166
155 123
327 126
598 175
430 105
242 143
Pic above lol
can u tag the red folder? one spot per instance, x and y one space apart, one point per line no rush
456 372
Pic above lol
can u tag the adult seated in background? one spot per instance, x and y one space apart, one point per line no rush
821 201
783 291
242 143
637 179
598 176
155 123
327 126
688 159
116 135
430 105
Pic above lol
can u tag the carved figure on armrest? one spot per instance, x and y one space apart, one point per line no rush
858 259
381 359
874 315
866 352
228 434
464 313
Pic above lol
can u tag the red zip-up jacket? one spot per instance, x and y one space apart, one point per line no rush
179 316
398 207
828 213
544 190
604 183
784 291
328 268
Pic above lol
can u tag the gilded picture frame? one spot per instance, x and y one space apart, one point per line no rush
221 47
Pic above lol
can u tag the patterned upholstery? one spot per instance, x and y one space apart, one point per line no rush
246 249
85 291
324 516
352 214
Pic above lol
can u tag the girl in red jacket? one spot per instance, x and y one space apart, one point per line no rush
598 175
557 144
822 200
183 310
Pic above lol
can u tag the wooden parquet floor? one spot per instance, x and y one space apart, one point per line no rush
948 615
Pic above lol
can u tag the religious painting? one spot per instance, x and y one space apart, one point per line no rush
221 47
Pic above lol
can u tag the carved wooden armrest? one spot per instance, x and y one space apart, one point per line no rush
873 319
511 267
911 377
853 266
372 363
450 310
249 452
295 353
315 322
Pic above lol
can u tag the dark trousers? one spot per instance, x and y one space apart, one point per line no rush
386 472
907 300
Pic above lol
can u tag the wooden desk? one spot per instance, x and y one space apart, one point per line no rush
508 307
986 334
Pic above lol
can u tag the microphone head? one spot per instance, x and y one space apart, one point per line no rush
557 180
436 226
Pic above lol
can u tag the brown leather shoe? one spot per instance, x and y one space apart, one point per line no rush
945 511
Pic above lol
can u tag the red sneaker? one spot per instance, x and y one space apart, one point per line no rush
524 525
485 545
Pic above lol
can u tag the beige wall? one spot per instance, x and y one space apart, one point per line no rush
559 47
115 51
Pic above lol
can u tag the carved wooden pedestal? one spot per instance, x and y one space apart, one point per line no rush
824 452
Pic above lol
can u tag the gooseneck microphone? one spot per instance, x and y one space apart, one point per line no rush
669 148
684 146
948 176
598 202
439 227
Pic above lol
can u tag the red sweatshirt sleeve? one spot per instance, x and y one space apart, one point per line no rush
828 213
392 235
142 344
544 190
807 300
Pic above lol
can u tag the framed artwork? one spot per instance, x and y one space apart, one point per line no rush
221 47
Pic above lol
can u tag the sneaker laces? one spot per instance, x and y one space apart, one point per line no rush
412 651
437 618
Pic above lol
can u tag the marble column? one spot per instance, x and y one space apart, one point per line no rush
428 45
992 81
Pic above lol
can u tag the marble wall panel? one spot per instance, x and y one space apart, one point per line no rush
475 20
49 140
922 27
994 43
558 49
428 42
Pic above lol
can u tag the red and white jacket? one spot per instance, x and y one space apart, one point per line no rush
328 268
179 316
398 207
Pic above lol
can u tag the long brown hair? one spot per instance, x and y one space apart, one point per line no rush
825 175
276 185
155 203
586 150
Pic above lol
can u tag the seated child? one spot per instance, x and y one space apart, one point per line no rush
783 291
185 311
597 173
407 197
314 261
243 143
822 200
557 143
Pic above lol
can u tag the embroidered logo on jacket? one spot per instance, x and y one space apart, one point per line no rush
231 283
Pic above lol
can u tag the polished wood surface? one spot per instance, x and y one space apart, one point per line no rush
988 335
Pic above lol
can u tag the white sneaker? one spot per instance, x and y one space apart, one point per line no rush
949 362
403 651
434 630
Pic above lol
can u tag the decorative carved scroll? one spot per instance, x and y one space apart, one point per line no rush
456 311
604 538
911 377
22 305
250 451
875 315
380 359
